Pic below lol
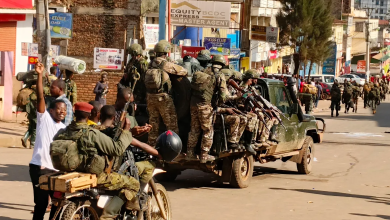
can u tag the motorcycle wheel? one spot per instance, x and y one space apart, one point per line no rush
153 212
74 212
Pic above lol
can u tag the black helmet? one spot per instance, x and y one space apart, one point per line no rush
169 145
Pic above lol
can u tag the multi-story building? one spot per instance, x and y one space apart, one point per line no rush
379 8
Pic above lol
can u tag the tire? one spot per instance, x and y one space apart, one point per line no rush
168 176
242 172
73 212
153 212
305 166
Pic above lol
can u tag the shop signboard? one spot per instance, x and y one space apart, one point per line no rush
190 51
263 33
273 54
361 66
108 58
217 46
61 25
235 54
200 13
329 65
151 35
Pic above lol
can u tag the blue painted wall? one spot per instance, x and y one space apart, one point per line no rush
193 33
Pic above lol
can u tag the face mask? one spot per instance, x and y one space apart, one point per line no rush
216 68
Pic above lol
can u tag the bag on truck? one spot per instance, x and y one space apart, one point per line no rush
310 89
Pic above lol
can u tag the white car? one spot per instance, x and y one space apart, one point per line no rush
350 78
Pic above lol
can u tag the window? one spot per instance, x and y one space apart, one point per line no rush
281 100
381 11
377 2
381 3
329 79
359 26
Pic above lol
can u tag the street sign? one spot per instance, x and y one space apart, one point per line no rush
61 25
190 51
108 58
217 46
263 33
361 66
329 65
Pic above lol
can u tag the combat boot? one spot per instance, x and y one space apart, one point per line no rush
25 138
112 208
248 140
232 145
331 114
206 157
373 112
191 154
337 113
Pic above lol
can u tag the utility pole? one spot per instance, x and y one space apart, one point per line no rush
43 32
245 34
368 54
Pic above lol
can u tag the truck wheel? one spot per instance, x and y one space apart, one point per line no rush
168 176
242 171
305 166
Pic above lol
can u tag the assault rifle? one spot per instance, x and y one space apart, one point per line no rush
270 112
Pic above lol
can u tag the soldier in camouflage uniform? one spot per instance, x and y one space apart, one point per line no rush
374 97
335 93
136 67
152 56
158 87
347 97
366 91
71 88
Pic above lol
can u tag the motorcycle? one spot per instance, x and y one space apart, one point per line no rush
89 203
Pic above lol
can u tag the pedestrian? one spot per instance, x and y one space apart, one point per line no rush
94 117
101 89
71 88
158 87
48 124
57 90
319 92
279 70
335 93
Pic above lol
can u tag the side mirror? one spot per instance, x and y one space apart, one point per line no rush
294 108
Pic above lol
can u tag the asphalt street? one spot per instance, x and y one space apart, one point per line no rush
350 179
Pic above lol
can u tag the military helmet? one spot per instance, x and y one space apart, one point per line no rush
204 55
237 75
227 72
152 53
218 59
135 49
376 84
169 145
250 74
162 47
349 83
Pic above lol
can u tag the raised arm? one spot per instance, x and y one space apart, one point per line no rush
41 107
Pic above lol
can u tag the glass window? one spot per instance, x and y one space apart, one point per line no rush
281 100
329 79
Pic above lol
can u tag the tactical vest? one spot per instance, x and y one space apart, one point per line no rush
348 90
157 80
72 151
374 93
202 86
335 93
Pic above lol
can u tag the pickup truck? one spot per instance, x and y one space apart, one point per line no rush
295 142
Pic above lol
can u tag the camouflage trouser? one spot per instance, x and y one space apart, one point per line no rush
242 126
32 128
201 120
127 185
366 99
252 122
233 123
145 170
161 105
373 103
264 129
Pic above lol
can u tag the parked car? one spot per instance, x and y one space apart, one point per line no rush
350 78
323 78
325 91
361 75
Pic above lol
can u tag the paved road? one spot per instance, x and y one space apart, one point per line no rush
349 180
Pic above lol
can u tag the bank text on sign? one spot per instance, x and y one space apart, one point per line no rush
263 33
200 13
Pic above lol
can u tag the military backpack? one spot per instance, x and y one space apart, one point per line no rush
374 93
203 85
72 151
155 79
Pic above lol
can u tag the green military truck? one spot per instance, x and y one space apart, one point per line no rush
295 142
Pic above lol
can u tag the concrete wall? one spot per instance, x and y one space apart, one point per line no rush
24 32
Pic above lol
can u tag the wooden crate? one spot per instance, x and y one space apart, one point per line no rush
68 182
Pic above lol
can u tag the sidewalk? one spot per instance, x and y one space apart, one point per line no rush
11 132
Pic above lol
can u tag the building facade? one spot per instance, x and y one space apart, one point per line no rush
380 8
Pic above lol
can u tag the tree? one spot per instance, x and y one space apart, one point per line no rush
306 26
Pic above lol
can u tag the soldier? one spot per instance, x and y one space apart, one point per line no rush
374 97
71 88
347 97
135 70
158 87
366 91
95 141
204 58
335 93
152 56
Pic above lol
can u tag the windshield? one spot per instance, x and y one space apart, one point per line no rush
329 79
357 76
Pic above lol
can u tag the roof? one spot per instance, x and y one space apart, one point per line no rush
337 21
383 22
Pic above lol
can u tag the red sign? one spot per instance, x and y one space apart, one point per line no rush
32 60
190 51
273 54
361 66
387 41
20 4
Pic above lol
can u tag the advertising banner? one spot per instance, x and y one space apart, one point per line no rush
25 48
108 58
191 51
151 35
235 54
329 65
200 13
361 66
61 25
33 50
273 54
217 46
263 33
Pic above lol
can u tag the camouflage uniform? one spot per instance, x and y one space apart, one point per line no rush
71 91
128 185
335 98
201 121
160 103
347 97
374 96
366 91
127 81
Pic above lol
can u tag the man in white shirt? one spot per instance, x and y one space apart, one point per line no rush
48 124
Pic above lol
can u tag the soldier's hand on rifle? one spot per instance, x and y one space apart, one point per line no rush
230 111
239 94
126 124
39 68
